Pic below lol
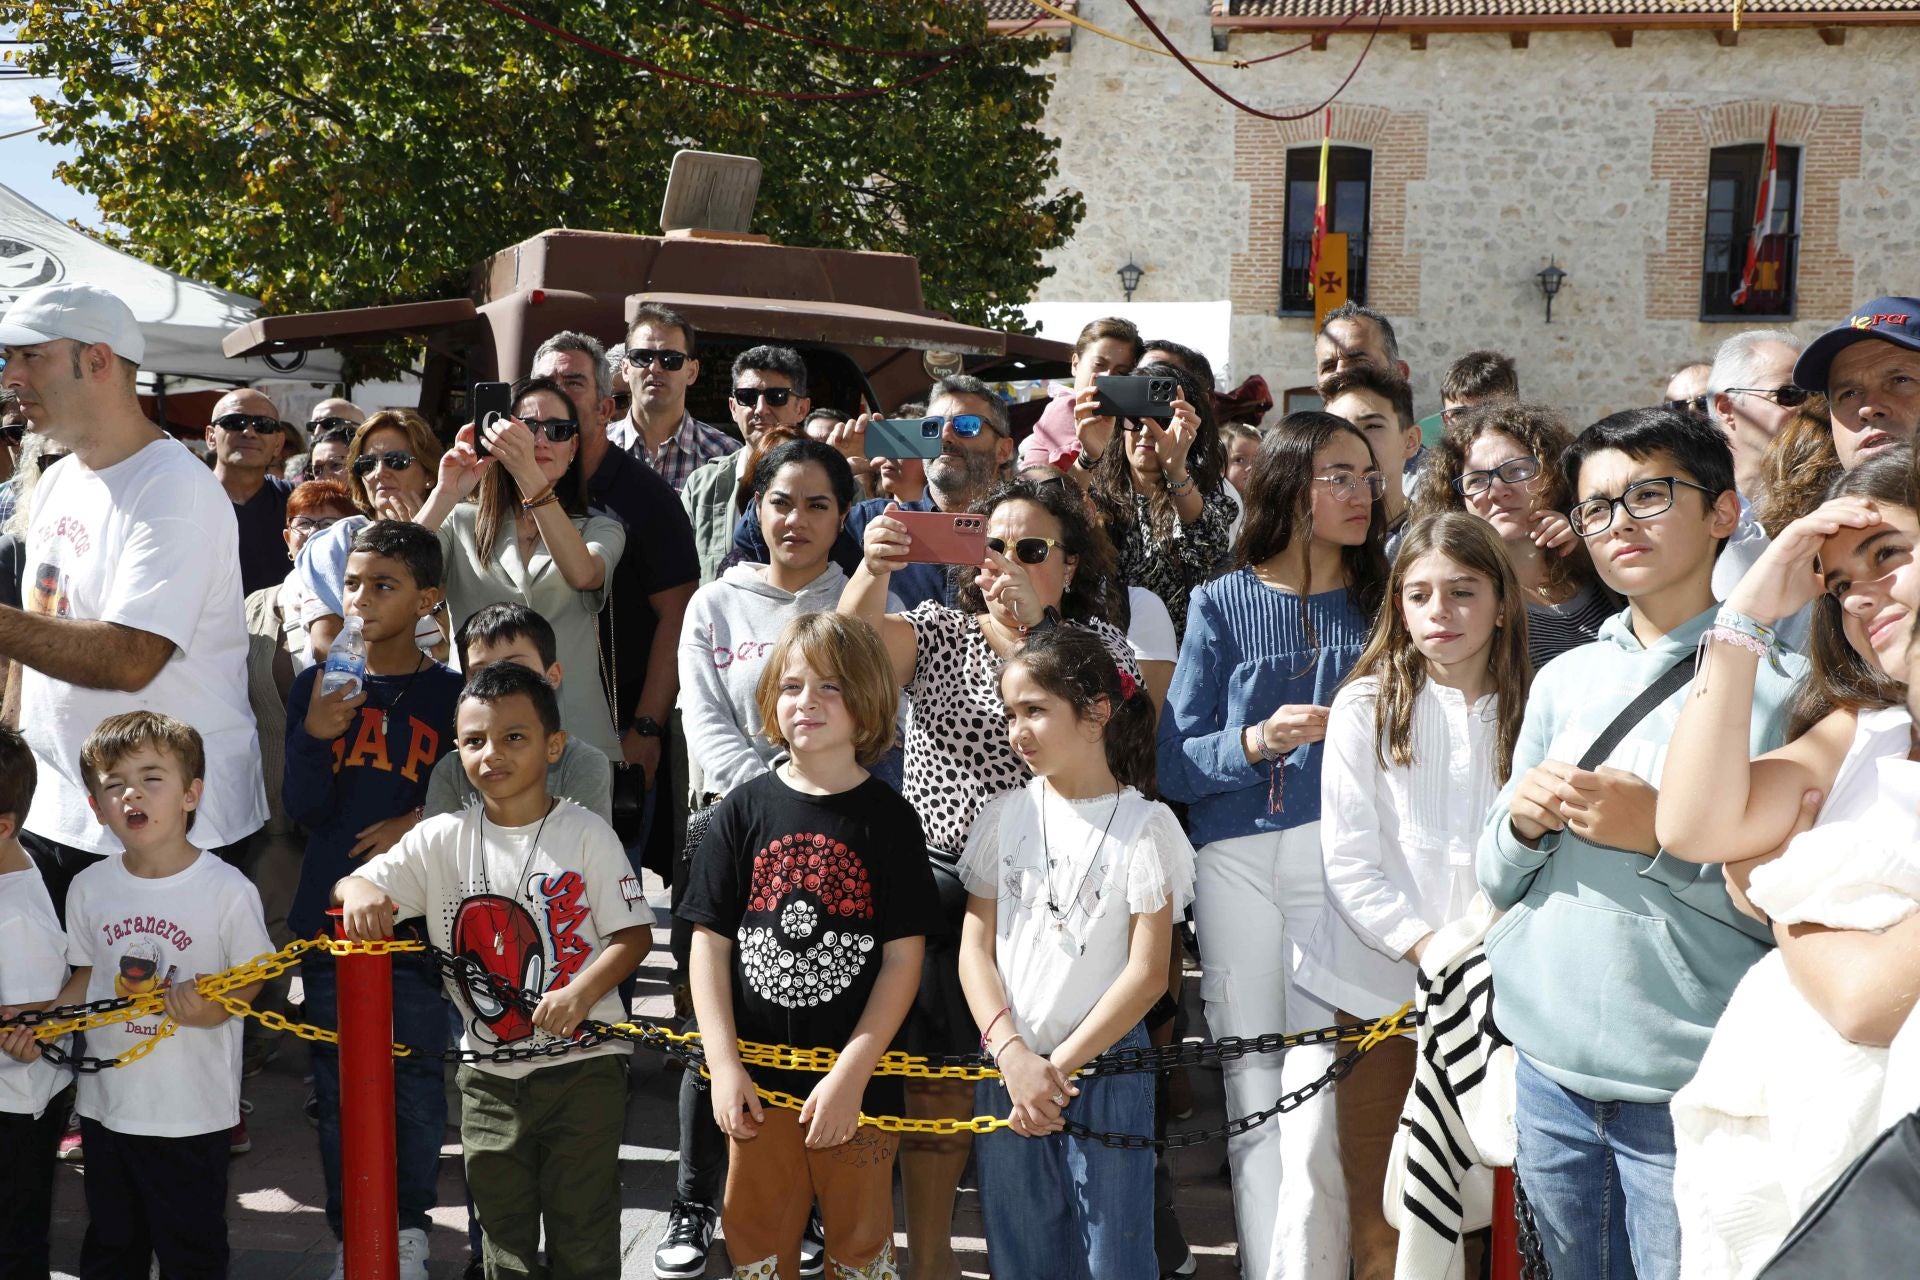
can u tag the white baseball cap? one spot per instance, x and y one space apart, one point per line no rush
83 312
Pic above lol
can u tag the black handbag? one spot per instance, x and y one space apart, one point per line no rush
1864 1226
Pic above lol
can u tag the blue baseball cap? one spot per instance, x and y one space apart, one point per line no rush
1895 320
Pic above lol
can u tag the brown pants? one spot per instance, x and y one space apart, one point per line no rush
1367 1105
773 1180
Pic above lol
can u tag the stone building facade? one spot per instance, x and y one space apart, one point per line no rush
1587 141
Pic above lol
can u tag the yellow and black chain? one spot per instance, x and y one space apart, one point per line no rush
684 1046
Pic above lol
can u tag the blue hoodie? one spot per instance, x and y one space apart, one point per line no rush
1611 968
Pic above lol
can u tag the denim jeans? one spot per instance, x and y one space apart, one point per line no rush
419 1094
1068 1208
1600 1178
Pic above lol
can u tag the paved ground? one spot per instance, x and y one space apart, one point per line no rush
279 1232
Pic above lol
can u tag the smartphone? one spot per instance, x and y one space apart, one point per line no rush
488 402
939 538
1126 396
904 438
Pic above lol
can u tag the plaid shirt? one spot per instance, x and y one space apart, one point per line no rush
694 444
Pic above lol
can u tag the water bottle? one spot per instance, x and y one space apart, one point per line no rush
346 661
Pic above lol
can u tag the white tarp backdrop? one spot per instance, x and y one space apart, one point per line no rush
183 319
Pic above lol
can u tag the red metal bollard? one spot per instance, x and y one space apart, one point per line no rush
1505 1263
369 1187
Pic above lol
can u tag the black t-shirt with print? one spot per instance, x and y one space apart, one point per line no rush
811 889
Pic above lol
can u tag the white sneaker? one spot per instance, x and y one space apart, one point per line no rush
413 1254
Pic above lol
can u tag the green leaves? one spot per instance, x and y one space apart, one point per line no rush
322 154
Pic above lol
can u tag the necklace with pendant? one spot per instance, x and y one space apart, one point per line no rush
486 882
386 712
1058 913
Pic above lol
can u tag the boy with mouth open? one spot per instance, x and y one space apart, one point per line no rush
156 917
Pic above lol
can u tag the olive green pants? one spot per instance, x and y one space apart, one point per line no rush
546 1146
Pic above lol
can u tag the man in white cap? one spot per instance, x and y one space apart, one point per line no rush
133 585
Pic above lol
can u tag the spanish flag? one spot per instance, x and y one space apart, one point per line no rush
1762 214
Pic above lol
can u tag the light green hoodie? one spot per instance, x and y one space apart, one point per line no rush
1610 968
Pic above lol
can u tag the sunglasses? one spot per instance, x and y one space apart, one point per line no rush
252 423
392 460
311 524
965 425
671 361
750 397
558 430
15 433
327 427
1025 550
1787 397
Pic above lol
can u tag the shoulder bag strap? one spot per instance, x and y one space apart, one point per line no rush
1634 712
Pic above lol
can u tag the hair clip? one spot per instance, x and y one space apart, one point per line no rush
1128 685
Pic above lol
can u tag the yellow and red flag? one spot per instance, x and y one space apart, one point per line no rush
1762 212
1320 209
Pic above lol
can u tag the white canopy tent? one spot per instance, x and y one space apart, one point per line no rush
184 320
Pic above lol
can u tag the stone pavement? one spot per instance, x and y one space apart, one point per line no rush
279 1232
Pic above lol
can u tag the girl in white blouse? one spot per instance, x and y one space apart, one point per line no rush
1073 884
1419 741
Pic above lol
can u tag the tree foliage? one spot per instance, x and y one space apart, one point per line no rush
321 154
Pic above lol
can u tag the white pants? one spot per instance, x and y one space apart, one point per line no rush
1256 900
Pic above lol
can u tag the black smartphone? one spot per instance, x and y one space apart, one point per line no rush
1127 396
488 403
904 438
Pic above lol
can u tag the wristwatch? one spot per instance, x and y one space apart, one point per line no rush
646 727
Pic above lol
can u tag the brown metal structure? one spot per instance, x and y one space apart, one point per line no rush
858 317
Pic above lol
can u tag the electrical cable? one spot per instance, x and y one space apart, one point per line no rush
1146 20
654 68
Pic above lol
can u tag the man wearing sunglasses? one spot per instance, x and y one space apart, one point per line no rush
133 586
1750 395
333 414
244 437
658 367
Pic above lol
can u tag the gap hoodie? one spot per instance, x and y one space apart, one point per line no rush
1610 968
731 626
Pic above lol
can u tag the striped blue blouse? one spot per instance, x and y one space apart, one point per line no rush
1246 653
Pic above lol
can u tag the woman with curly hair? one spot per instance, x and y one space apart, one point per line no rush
1501 462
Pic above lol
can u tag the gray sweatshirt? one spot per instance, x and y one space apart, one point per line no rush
731 626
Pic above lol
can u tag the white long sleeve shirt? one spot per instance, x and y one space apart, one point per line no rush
1398 841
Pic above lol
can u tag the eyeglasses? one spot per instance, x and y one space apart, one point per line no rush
1697 406
750 397
252 423
1512 471
1454 412
326 470
1642 500
558 430
331 426
1343 484
311 524
965 425
392 460
1787 397
1025 550
671 361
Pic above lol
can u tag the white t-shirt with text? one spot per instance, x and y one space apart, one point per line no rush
537 915
148 543
142 935
33 968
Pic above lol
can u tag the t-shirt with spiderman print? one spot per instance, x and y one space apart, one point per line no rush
810 889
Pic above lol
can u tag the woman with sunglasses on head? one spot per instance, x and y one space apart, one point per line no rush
1159 490
390 466
1501 463
1045 566
529 540
1266 646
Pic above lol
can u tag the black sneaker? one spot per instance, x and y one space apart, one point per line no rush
682 1255
813 1246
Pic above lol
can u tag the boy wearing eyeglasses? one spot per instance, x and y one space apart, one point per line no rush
244 436
1381 405
1613 961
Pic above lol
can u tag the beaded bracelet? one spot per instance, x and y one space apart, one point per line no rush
547 500
1180 488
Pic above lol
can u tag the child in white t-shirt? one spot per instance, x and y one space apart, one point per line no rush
33 968
538 891
1073 882
151 921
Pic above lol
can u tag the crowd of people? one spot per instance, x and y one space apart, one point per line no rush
1614 717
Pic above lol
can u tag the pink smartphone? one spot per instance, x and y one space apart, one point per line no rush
939 538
